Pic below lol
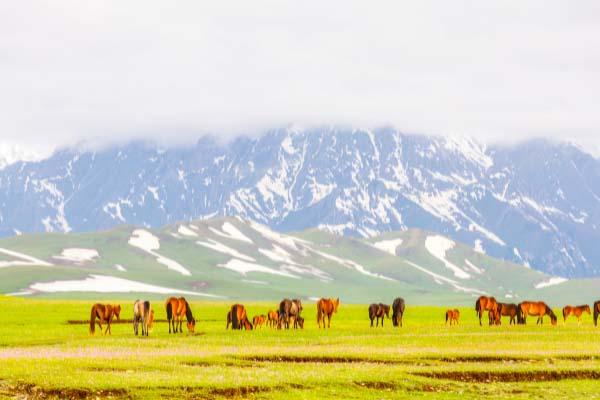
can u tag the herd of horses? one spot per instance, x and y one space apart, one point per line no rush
289 314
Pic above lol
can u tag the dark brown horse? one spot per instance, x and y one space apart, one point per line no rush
325 309
377 311
238 318
259 320
177 309
299 323
537 309
506 310
104 313
596 312
452 316
398 311
272 318
289 311
488 304
576 311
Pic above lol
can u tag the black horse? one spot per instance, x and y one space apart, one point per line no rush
377 311
398 311
596 312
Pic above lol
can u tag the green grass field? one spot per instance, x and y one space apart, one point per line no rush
42 356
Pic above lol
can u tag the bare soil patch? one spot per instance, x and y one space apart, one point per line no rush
510 376
30 391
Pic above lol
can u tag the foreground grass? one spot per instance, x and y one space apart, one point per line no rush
43 356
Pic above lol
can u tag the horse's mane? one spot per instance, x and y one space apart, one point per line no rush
188 312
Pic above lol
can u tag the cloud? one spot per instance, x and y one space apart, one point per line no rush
72 71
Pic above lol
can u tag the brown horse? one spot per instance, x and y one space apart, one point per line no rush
272 318
289 311
596 312
177 308
299 323
488 304
259 320
325 309
452 316
537 309
506 310
398 311
377 311
238 318
104 313
576 311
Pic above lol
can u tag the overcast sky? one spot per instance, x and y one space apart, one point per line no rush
172 71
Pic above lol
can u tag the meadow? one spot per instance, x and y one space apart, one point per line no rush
42 355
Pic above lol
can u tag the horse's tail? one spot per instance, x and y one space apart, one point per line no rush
93 321
319 312
169 311
478 306
235 322
564 313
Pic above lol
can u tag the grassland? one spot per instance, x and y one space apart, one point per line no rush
43 356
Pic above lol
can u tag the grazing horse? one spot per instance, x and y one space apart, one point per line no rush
377 311
537 309
141 314
398 311
488 304
238 318
104 313
326 308
177 308
258 320
452 316
272 318
576 311
596 312
150 320
289 311
506 310
299 322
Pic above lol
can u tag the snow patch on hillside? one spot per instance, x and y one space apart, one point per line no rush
108 284
243 267
221 248
78 255
185 231
551 282
146 241
438 246
229 231
25 260
388 246
442 279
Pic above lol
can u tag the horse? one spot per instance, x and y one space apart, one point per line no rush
507 310
452 316
104 313
238 318
488 304
576 311
326 308
289 311
299 322
596 312
398 311
177 308
537 309
377 311
258 320
272 318
141 314
150 320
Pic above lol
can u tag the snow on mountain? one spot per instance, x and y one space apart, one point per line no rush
535 203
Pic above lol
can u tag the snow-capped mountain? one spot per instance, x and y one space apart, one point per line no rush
535 203
10 154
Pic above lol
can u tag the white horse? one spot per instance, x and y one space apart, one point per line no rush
141 313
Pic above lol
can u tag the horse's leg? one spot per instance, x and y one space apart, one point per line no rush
329 319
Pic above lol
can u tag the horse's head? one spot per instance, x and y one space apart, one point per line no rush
336 304
586 308
117 311
301 322
191 325
247 325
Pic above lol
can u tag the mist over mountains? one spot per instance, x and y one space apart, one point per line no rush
535 203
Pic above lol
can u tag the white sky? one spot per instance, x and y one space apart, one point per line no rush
172 71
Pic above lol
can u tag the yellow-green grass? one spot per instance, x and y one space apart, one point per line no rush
42 355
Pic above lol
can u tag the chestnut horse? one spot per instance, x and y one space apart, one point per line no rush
507 310
272 318
488 304
377 311
177 308
537 309
452 316
104 313
238 318
576 311
326 308
398 311
596 312
258 320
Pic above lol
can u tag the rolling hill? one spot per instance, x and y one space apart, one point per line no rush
235 258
